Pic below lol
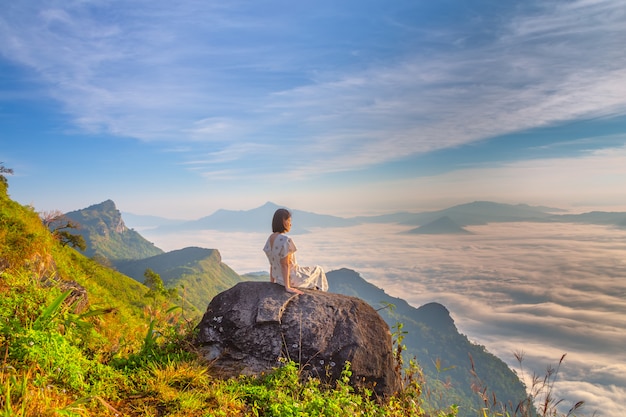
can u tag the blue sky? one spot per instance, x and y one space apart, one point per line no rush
336 107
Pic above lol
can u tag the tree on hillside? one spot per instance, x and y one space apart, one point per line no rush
155 283
60 226
3 170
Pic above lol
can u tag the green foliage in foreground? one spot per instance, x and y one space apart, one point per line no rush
50 368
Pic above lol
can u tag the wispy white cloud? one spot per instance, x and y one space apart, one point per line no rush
225 155
519 81
219 175
129 72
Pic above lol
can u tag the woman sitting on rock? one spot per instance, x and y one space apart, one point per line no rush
284 268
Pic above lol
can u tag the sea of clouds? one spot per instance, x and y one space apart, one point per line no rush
540 289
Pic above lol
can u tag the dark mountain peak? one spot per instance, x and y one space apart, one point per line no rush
435 308
266 208
349 282
478 205
436 316
441 226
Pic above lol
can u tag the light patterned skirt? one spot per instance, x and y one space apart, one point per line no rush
312 277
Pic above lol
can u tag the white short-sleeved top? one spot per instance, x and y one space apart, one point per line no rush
283 246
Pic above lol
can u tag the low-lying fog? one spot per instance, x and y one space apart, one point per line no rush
544 289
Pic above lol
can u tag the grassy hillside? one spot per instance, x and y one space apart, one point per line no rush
29 253
198 274
64 318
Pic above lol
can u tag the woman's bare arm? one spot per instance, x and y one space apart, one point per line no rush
285 264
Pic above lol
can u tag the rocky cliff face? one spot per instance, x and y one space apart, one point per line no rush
106 234
104 218
250 327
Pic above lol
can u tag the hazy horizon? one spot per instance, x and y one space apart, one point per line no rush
364 212
542 288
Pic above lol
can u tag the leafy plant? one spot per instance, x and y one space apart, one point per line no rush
50 312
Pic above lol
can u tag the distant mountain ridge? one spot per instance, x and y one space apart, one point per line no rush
474 213
483 212
259 220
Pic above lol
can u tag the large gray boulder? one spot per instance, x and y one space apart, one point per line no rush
250 327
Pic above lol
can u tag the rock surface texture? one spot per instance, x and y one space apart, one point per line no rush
250 327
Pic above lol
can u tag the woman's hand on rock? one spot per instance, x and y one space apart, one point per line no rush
293 290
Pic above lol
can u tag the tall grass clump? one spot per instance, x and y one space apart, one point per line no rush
540 400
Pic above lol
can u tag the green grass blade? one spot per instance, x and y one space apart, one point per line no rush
50 311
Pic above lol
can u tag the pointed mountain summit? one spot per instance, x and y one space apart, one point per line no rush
442 226
436 316
106 234
257 219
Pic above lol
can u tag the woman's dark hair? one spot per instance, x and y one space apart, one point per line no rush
278 222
